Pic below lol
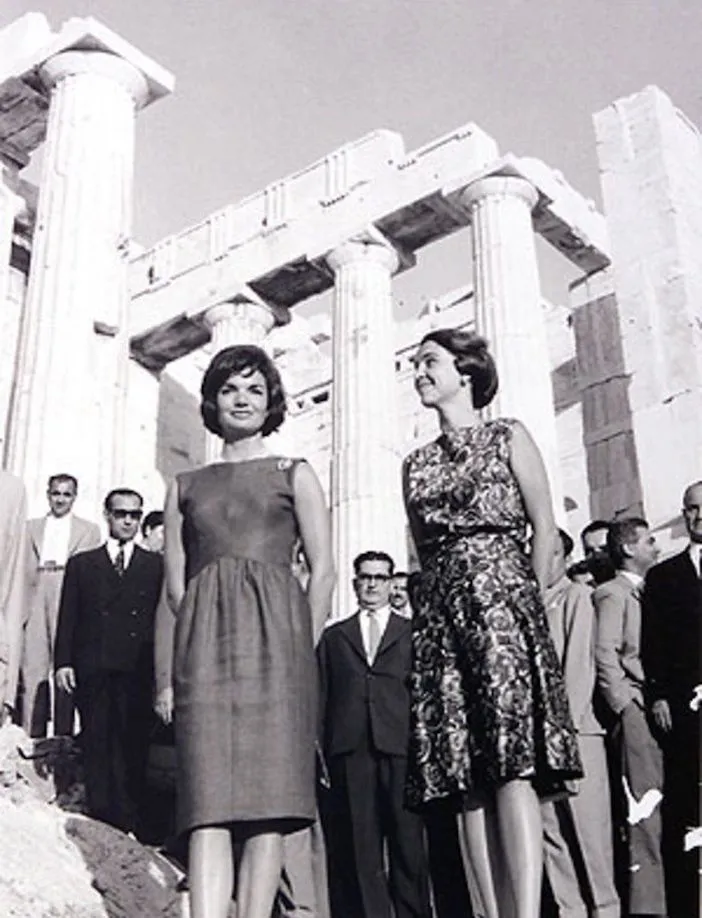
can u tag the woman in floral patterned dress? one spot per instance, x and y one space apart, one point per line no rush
491 727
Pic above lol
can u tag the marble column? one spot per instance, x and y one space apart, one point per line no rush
143 404
238 321
68 411
366 491
10 206
509 311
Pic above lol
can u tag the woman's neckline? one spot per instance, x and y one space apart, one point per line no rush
464 428
244 461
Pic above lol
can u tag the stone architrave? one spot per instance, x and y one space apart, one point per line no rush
238 321
509 310
366 488
68 411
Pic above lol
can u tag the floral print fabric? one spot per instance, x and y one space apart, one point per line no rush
488 698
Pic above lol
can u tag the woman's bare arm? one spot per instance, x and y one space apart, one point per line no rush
174 553
530 472
315 530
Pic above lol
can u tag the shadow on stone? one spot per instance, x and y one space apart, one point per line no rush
132 879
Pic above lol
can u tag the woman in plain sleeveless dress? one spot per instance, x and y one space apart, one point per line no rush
490 729
244 670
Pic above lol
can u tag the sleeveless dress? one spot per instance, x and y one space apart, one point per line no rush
487 692
244 668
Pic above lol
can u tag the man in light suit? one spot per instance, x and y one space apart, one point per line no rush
672 630
578 856
104 653
54 539
13 583
364 664
620 678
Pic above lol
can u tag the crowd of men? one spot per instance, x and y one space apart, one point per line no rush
77 624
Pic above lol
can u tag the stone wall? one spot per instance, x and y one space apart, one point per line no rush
651 166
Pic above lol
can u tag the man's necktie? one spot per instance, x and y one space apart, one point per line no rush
373 635
120 561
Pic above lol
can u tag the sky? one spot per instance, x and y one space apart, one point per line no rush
264 87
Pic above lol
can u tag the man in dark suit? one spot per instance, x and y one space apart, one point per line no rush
364 665
672 629
104 652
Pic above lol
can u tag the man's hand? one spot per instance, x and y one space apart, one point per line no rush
163 705
66 679
660 711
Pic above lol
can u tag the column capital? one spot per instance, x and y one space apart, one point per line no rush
500 186
363 251
250 307
239 309
96 63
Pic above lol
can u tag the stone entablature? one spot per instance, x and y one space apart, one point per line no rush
29 44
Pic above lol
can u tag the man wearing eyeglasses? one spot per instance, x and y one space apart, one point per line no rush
104 654
364 665
54 539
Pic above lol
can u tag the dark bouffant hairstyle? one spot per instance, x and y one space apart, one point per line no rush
242 358
473 359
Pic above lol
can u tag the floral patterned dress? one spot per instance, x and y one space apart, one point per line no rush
488 698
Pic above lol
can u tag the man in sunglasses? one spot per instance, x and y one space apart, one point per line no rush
53 539
364 664
104 654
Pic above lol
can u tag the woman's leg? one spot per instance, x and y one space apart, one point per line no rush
210 872
477 837
519 819
259 873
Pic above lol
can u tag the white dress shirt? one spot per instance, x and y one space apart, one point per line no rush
635 578
54 543
382 617
112 546
695 550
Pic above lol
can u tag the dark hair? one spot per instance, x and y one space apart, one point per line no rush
63 476
152 519
242 358
373 556
400 574
472 358
621 533
566 541
594 526
579 568
120 492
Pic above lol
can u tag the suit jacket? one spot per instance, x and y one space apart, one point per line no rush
107 621
620 674
13 581
362 702
571 619
672 630
84 535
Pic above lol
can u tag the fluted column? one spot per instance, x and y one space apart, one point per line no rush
509 310
239 321
10 206
68 412
366 492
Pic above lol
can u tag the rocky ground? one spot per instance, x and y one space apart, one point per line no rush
57 862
